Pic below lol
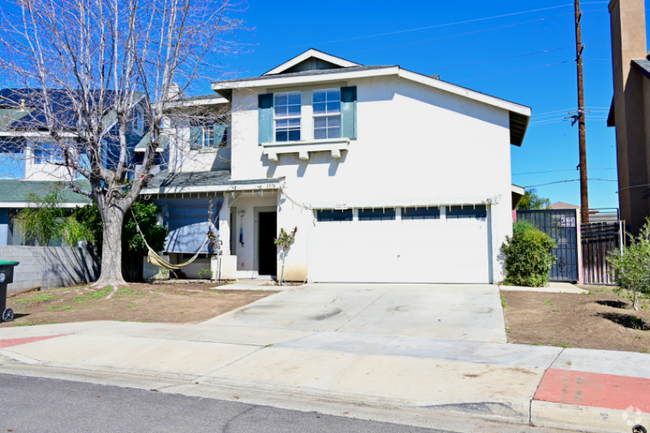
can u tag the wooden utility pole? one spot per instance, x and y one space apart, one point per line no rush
584 194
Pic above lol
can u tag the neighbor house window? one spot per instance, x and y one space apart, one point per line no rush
327 114
138 121
287 111
46 152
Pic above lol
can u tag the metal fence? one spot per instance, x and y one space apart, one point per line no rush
598 239
561 225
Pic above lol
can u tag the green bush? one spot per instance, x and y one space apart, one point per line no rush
631 268
528 256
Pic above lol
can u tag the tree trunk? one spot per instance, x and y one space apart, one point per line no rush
111 274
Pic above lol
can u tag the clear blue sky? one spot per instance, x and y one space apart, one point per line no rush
429 37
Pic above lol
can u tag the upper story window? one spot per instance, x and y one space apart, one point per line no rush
327 114
334 116
288 107
208 135
46 152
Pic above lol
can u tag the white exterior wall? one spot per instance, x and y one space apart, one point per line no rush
46 171
414 143
184 159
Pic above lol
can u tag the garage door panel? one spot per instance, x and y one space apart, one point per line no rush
418 251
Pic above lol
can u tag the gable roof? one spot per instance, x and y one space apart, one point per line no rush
284 75
317 60
22 109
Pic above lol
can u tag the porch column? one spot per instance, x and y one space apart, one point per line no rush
224 225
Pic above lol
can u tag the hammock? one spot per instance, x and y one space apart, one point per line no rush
156 260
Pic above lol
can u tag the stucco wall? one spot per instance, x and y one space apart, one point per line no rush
50 267
414 143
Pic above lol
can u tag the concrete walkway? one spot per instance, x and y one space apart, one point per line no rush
552 288
367 358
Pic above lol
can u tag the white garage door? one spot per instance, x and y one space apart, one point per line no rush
419 246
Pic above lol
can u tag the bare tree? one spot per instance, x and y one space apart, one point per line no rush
111 64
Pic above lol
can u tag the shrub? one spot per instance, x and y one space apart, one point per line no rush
133 246
528 256
631 268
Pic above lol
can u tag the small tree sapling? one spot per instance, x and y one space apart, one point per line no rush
283 242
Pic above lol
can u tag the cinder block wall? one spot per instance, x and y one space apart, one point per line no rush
50 267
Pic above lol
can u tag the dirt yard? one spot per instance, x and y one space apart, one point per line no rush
599 320
163 303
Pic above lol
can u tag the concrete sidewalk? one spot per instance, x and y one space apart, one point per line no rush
370 359
545 386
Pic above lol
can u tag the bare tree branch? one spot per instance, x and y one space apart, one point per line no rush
88 72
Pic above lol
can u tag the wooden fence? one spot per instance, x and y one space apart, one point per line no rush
597 240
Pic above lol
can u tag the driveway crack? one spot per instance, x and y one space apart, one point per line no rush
368 306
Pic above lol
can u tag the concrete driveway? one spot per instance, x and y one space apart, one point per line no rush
450 312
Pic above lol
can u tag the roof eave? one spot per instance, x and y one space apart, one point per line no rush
225 87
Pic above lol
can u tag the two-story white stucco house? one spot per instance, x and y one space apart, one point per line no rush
389 175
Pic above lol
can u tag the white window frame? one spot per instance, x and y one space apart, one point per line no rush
326 114
208 135
52 155
288 117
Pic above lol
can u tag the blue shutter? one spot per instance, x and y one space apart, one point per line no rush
349 112
219 131
265 108
196 137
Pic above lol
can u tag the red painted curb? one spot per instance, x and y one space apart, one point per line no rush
19 341
593 389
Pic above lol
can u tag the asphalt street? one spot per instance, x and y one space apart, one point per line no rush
29 404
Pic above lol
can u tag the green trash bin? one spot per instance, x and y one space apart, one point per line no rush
6 277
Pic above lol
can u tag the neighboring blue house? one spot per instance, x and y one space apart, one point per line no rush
28 159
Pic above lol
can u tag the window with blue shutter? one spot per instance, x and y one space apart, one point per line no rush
349 112
219 138
287 109
196 137
327 113
265 109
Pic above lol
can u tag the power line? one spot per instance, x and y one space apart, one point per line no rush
557 171
502 58
514 72
570 180
420 28
457 35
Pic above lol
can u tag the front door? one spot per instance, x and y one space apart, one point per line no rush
266 248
